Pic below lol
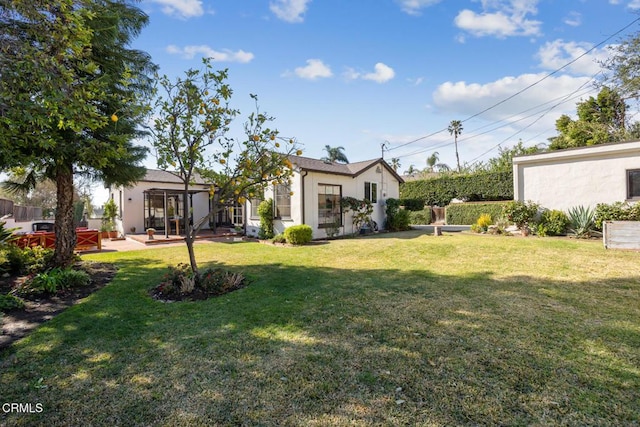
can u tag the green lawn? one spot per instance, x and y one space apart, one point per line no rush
396 329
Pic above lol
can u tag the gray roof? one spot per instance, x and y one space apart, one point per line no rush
348 169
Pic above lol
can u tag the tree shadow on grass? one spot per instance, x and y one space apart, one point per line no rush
332 346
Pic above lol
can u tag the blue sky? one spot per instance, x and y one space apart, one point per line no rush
358 74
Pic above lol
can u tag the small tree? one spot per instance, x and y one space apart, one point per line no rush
190 137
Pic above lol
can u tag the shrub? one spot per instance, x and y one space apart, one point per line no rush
216 281
28 260
480 186
9 302
50 282
618 211
279 238
520 213
552 223
582 221
468 213
420 217
298 234
181 283
397 219
265 211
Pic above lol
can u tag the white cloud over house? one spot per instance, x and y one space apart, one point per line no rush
226 55
181 8
501 19
315 69
290 10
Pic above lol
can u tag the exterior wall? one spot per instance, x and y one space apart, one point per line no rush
130 202
569 178
388 187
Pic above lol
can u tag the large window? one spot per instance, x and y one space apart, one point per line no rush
329 210
255 202
633 184
371 191
283 201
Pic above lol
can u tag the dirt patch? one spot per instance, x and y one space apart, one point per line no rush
18 323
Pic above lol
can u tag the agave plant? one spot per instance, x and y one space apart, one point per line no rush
582 221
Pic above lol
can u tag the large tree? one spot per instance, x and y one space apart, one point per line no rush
72 93
600 120
193 116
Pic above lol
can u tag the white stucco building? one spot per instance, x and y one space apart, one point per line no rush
584 176
313 198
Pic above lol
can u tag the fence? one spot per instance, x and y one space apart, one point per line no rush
19 213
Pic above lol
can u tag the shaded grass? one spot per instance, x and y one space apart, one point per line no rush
397 329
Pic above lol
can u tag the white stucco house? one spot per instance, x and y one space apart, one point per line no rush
584 176
313 198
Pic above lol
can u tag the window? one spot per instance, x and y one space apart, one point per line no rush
329 209
282 195
371 191
633 184
255 202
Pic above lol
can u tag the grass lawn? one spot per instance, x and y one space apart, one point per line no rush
395 329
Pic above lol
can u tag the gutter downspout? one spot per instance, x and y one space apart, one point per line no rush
303 194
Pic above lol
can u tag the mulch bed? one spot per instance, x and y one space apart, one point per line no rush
38 309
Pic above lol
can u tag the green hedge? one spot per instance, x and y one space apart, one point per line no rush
298 234
482 186
468 213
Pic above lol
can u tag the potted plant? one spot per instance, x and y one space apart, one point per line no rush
132 229
150 233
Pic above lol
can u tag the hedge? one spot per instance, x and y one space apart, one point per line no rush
482 186
298 234
468 213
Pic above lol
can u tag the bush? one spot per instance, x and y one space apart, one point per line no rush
420 217
279 238
265 211
520 213
480 186
181 283
397 219
618 211
50 282
552 223
28 260
9 302
468 213
298 234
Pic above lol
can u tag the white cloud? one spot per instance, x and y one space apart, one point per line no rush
181 8
635 4
412 7
314 70
463 99
554 55
226 55
382 73
574 19
289 10
500 18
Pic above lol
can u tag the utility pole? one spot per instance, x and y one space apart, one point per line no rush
383 147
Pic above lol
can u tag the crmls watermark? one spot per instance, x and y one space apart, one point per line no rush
22 408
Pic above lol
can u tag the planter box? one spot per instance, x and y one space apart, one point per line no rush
621 235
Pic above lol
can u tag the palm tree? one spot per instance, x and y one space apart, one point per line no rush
411 171
455 129
335 154
433 165
395 164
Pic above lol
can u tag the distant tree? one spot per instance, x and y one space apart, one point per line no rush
434 166
190 137
395 164
624 67
600 120
71 95
335 154
455 129
411 171
504 161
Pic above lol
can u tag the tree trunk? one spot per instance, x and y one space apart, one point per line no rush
189 230
64 225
